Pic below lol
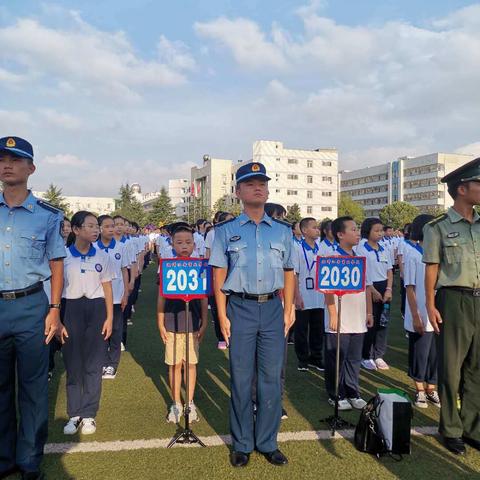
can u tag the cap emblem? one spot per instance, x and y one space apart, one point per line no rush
255 167
11 143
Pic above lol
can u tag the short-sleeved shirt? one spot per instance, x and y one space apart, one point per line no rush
326 248
175 315
304 261
209 239
378 261
83 275
414 274
255 255
199 243
454 243
118 254
29 238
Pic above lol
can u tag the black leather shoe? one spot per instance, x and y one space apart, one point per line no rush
471 442
454 445
276 458
32 476
239 459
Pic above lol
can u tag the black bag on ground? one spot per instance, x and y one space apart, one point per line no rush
368 437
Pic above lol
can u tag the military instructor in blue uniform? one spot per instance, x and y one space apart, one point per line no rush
31 251
252 259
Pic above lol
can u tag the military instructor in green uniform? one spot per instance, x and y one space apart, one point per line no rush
452 256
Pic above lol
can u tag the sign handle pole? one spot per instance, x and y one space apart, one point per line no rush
186 435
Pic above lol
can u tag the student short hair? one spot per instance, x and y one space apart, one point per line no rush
216 217
407 228
338 225
324 226
275 209
305 221
102 218
416 229
115 217
199 222
181 228
386 227
367 226
223 216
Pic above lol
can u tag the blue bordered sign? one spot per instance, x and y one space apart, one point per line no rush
185 278
340 274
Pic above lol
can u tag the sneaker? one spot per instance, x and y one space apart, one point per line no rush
222 345
302 367
421 400
369 364
109 373
284 414
71 428
50 375
381 364
433 397
122 347
175 413
129 322
342 404
89 426
357 403
290 342
317 366
193 416
133 308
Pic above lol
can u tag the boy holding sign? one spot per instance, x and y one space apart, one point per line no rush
356 317
172 325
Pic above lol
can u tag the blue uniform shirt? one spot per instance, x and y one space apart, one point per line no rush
29 238
254 255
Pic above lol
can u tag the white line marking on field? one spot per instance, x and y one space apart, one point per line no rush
210 441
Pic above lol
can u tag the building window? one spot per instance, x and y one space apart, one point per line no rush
278 159
326 209
326 194
293 161
292 192
309 209
309 194
292 176
310 163
277 190
309 179
326 164
327 179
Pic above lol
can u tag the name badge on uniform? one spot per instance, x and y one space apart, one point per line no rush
235 238
309 283
87 265
453 235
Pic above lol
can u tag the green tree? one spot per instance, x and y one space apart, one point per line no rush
227 204
293 213
397 214
54 196
435 210
129 207
196 210
348 207
221 205
162 210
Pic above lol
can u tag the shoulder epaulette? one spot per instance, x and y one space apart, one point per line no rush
282 222
224 222
49 207
438 219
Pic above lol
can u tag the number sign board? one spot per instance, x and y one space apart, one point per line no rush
185 278
340 275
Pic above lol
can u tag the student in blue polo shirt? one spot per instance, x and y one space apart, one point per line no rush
379 266
88 322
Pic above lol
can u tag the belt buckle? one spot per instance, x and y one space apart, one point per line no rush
264 298
9 295
476 292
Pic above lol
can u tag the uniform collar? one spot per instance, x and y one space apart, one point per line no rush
123 239
455 217
243 218
106 247
76 253
29 203
307 247
369 248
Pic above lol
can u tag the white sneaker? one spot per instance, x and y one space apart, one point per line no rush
421 400
381 364
342 404
109 373
369 364
122 347
193 417
89 426
71 428
357 403
433 397
222 345
129 322
175 413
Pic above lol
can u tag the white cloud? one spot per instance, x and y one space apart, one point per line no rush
471 149
244 38
64 160
175 54
60 119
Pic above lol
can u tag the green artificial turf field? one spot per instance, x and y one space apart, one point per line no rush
134 406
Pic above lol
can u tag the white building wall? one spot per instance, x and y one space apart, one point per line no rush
97 205
178 193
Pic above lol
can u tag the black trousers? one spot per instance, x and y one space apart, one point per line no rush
309 329
112 357
375 342
216 323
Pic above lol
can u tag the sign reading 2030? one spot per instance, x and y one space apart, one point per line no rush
185 278
340 275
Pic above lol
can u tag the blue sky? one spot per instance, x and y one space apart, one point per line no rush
113 91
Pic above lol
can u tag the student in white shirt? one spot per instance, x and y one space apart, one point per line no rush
87 323
422 351
327 244
119 261
380 271
356 317
402 248
309 303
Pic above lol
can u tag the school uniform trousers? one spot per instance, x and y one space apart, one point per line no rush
84 355
113 351
422 357
309 329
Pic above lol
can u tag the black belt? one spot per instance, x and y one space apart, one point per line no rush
23 292
265 297
470 291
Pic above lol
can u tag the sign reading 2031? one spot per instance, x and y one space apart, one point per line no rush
185 278
341 275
